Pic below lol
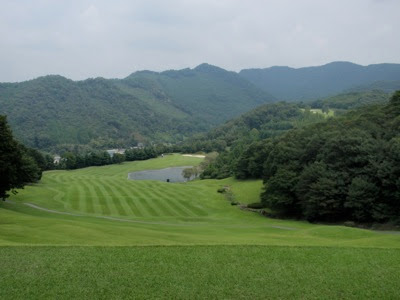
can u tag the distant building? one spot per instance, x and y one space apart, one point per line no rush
56 159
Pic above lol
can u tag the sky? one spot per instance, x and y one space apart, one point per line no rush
112 39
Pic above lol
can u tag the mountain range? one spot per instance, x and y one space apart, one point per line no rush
55 113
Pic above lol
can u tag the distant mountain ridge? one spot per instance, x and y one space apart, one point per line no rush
291 84
53 112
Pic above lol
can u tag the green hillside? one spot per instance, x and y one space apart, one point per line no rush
53 111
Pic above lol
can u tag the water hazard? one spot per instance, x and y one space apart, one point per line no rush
173 174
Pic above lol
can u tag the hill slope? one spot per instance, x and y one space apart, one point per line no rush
50 111
321 81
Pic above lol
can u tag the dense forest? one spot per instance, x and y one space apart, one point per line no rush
343 168
350 100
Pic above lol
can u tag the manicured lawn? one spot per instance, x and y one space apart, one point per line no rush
200 272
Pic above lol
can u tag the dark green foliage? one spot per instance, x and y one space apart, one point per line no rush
247 139
256 205
343 169
118 158
70 161
351 100
141 153
17 166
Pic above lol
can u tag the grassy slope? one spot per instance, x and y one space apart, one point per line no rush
224 252
203 272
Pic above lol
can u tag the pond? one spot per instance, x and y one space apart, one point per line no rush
173 174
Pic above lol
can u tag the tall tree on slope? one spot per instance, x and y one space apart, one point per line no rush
16 167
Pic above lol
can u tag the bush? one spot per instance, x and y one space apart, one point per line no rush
221 190
349 224
256 205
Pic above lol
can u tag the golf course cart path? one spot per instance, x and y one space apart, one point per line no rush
52 211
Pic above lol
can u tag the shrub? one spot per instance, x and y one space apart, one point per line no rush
256 205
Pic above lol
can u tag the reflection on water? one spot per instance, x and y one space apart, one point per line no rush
169 174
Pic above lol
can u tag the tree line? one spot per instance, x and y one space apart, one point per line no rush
70 160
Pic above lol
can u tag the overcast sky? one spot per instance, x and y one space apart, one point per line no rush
81 39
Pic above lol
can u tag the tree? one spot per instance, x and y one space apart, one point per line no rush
17 168
118 158
187 173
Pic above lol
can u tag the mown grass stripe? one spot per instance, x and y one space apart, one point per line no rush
116 198
151 198
178 203
168 202
87 197
146 200
128 196
58 196
172 199
107 197
141 205
73 198
105 210
97 205
159 201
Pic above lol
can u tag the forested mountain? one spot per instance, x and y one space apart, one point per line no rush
208 92
53 112
318 82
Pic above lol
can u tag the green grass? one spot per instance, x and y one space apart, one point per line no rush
178 240
201 272
100 206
